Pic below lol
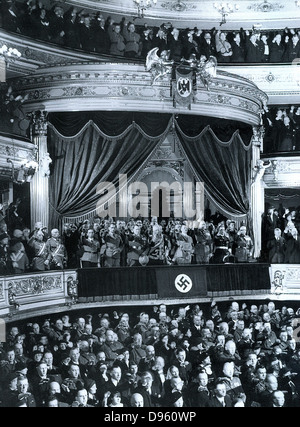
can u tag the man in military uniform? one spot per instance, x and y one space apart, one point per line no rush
137 247
160 247
40 251
112 248
57 254
245 245
185 248
91 250
203 246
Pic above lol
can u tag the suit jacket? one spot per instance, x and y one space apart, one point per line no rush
72 38
86 38
207 49
214 403
153 400
102 44
253 53
292 254
291 52
198 399
276 247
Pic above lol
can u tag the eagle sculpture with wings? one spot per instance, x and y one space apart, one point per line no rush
160 66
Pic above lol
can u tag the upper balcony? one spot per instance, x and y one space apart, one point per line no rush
280 82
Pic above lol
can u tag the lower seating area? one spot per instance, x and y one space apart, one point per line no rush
169 355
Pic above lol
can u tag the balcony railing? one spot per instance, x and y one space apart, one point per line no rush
37 294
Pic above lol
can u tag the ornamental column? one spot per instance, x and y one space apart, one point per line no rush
257 189
39 186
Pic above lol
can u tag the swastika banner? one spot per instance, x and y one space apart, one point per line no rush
181 282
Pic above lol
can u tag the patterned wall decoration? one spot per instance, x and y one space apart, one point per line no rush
266 7
36 285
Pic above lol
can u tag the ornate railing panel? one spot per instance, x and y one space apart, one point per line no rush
108 86
283 173
285 279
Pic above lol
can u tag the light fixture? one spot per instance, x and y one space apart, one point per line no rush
26 171
143 5
9 54
225 9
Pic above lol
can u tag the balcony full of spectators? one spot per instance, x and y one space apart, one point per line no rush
92 32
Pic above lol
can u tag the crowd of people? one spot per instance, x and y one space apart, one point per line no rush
92 32
281 239
237 355
107 243
282 129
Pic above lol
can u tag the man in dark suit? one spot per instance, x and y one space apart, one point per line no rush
220 398
81 399
292 254
253 51
196 329
71 27
207 47
102 40
57 26
86 34
292 50
184 367
114 383
198 393
276 248
149 390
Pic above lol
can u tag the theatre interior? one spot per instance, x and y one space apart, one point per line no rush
149 157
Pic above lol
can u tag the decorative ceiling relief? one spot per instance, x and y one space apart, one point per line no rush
266 6
178 6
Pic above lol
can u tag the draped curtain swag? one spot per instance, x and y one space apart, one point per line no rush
89 148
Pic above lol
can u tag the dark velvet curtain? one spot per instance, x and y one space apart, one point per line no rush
111 123
82 162
92 147
223 167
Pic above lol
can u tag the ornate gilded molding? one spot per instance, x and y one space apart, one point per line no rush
284 172
37 293
17 151
285 279
36 285
280 82
266 7
107 86
178 6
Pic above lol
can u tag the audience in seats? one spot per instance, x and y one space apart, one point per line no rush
92 32
247 356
